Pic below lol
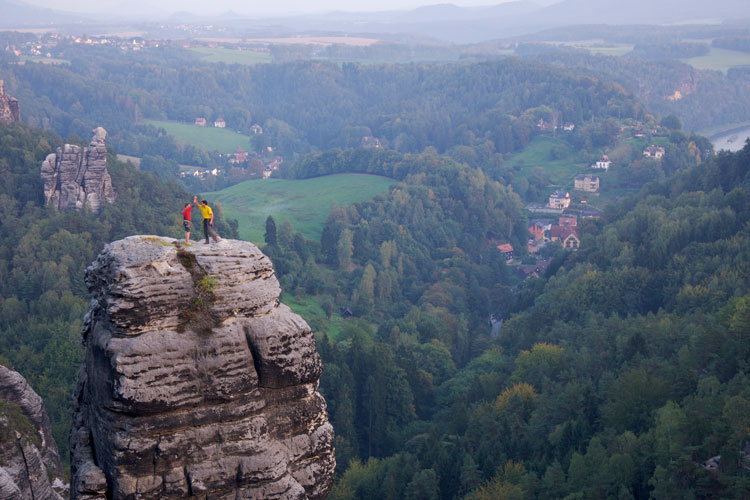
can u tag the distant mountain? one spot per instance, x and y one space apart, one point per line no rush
638 11
17 14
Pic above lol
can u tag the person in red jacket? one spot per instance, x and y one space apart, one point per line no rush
187 222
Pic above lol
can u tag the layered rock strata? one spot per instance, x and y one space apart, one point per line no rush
75 178
28 454
197 382
10 111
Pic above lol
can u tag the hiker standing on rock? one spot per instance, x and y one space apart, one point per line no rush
187 221
208 219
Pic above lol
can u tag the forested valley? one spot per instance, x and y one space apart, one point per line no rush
619 372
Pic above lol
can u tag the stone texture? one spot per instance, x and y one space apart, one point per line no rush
75 178
27 461
167 407
10 111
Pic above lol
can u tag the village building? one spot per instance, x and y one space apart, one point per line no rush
559 199
536 229
256 129
568 127
567 221
201 122
603 163
655 152
240 155
586 182
220 123
267 172
591 213
566 235
506 250
371 142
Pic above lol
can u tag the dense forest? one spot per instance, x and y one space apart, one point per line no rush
705 98
44 254
492 107
621 374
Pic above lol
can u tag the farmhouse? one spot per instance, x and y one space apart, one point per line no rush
220 123
256 129
568 127
655 152
201 122
506 250
603 163
566 235
559 199
585 182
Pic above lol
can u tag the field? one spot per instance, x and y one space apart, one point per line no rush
538 154
598 47
230 56
305 202
719 60
209 138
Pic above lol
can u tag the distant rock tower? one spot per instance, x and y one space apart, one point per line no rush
9 109
75 178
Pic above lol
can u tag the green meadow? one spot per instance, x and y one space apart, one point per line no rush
305 202
231 56
719 60
208 138
538 153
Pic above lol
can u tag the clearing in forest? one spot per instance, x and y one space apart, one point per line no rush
209 138
305 202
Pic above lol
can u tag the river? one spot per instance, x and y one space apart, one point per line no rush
731 140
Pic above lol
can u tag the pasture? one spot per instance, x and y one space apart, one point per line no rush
209 138
305 202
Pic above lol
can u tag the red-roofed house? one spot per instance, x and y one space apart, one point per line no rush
536 230
201 122
220 123
506 249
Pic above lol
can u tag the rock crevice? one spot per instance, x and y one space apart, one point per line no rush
171 409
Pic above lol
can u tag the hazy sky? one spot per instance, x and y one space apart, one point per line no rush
272 7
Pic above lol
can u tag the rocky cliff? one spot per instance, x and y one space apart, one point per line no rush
28 453
197 382
75 178
10 111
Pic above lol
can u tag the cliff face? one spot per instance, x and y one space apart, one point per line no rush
28 453
197 382
10 111
75 178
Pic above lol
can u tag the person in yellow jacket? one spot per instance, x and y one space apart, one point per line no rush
208 219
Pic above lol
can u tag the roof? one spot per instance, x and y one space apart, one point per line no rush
562 232
557 193
583 177
505 248
604 158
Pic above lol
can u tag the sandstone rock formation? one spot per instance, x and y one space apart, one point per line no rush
28 453
10 111
75 178
197 382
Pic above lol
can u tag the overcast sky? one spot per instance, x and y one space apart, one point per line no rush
268 7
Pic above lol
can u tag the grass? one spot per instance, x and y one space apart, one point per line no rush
231 56
719 60
538 154
306 202
597 46
208 138
44 60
